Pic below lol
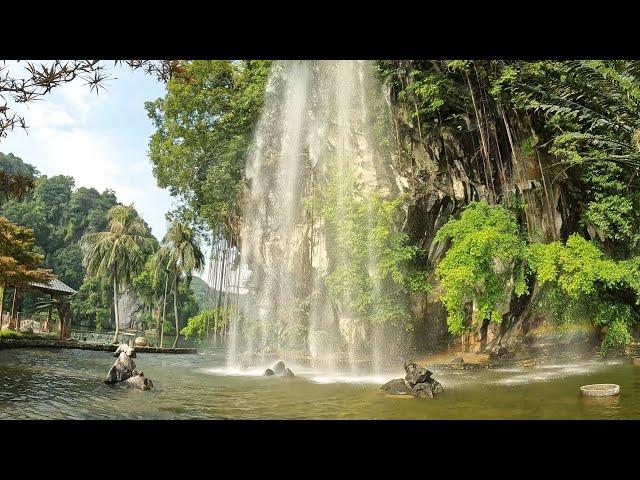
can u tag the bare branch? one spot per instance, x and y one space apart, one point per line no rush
40 79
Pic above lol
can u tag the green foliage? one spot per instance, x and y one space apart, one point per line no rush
580 283
178 257
203 130
371 271
486 252
91 305
59 216
214 320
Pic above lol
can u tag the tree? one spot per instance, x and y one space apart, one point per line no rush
19 262
181 255
118 254
203 131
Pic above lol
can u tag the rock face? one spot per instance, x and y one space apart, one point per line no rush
124 369
278 369
417 382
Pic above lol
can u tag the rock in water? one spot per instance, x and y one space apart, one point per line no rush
396 386
139 381
436 386
288 373
141 342
268 372
124 369
423 390
457 360
415 373
279 368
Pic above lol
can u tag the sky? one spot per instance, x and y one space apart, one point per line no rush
100 140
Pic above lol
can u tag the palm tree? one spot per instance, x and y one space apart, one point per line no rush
180 255
118 254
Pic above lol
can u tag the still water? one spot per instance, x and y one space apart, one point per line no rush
67 384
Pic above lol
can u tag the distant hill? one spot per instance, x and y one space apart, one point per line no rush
205 295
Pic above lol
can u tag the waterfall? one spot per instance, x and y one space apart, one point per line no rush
320 156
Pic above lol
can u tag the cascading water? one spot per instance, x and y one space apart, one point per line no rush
318 175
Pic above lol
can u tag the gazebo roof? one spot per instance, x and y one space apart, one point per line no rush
54 286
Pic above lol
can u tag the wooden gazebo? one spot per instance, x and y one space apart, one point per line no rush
55 289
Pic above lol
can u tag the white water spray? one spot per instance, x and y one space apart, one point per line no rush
320 120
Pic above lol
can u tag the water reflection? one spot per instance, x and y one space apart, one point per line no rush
44 384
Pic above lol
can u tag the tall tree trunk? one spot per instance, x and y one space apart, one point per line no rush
115 307
4 289
175 310
49 314
14 308
164 309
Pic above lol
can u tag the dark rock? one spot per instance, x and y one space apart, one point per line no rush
415 373
397 387
423 390
268 372
436 386
279 368
288 373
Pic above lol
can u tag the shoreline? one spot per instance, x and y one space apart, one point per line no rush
100 347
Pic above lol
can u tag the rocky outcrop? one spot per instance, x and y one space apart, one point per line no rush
278 369
479 153
417 382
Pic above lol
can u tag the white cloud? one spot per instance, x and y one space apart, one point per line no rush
75 132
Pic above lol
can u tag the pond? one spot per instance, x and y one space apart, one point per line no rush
67 384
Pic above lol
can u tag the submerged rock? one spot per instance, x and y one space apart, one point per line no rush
397 386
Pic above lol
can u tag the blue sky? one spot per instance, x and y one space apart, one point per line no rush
101 140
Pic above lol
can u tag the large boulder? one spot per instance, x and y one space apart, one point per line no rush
436 386
141 342
397 386
417 382
279 368
423 390
415 373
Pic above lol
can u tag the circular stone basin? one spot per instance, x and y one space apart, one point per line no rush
600 390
